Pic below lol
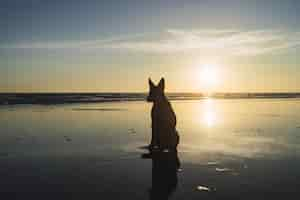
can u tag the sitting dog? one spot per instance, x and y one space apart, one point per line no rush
164 134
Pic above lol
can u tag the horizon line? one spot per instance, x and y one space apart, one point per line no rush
136 92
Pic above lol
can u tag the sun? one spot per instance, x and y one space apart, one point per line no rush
209 76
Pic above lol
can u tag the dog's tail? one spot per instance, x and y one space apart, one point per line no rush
177 138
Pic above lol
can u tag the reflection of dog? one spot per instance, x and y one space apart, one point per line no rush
164 134
165 166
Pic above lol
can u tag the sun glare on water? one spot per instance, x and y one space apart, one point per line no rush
209 116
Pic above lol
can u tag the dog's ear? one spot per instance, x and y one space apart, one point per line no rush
151 84
161 84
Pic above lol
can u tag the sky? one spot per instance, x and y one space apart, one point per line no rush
114 46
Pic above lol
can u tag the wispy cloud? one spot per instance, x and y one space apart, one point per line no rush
224 42
81 44
207 41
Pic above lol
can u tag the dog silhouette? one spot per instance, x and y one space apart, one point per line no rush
164 134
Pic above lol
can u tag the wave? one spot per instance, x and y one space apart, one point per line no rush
63 98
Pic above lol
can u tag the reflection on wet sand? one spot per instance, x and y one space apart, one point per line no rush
209 113
165 166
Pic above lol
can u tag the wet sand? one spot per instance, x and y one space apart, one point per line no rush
94 151
71 177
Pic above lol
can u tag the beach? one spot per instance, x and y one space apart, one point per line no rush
229 148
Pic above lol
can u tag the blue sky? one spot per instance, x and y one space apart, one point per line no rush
115 45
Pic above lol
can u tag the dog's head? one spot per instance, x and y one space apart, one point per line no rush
156 92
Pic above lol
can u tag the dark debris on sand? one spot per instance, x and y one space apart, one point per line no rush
67 139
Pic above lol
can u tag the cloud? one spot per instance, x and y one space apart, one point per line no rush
82 44
223 42
203 41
